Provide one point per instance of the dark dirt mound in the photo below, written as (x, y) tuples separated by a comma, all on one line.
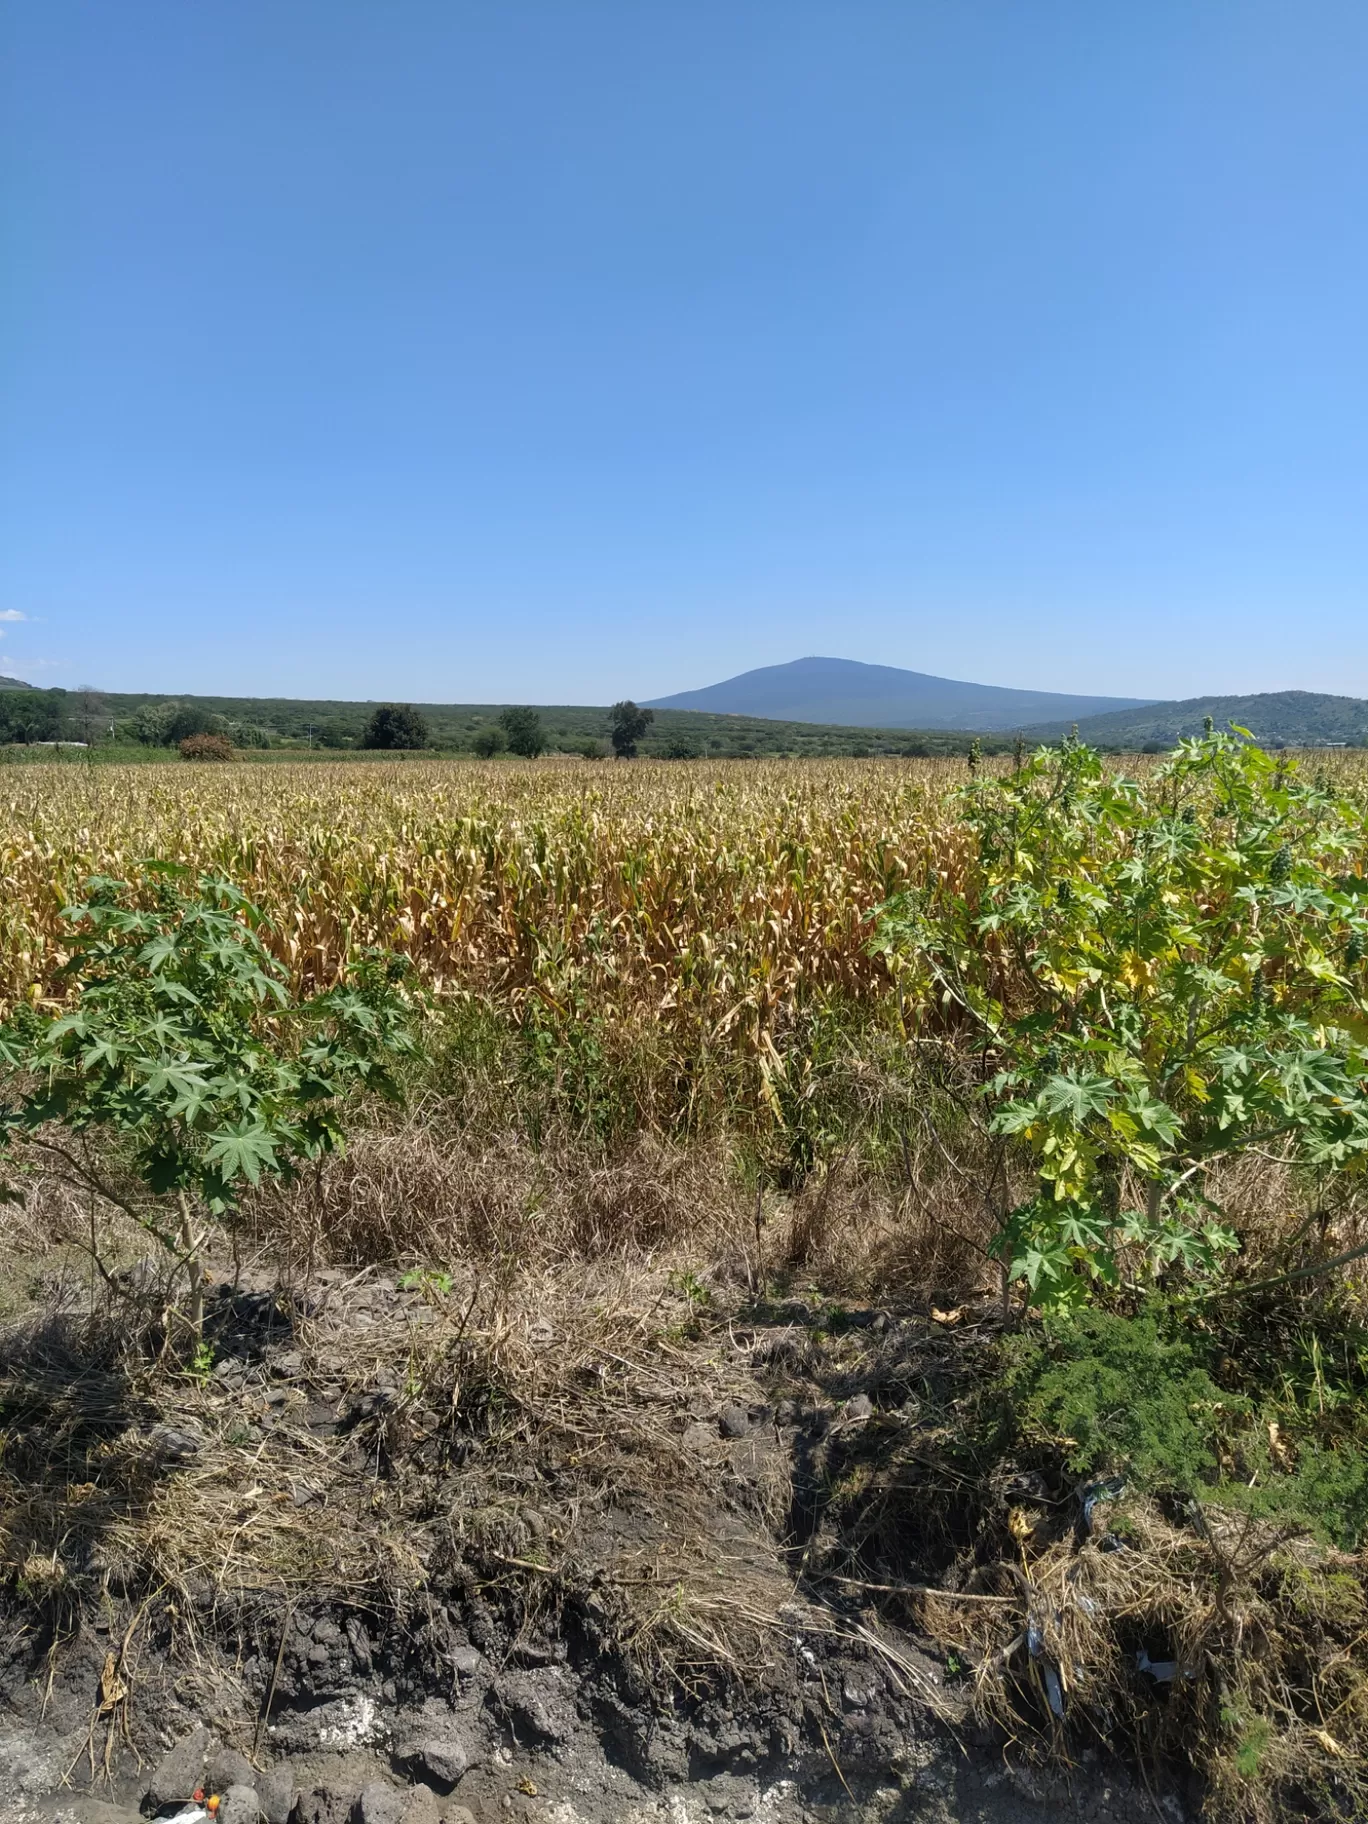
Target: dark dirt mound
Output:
[(558, 1549)]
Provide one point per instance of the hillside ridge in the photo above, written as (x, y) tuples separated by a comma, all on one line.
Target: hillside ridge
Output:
[(853, 694), (1295, 717)]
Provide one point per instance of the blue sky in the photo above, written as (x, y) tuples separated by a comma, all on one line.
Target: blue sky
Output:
[(552, 352)]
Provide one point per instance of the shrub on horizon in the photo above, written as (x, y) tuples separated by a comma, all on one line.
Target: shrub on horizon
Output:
[(206, 747)]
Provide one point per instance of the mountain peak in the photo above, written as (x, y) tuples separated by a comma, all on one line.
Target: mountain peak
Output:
[(855, 695)]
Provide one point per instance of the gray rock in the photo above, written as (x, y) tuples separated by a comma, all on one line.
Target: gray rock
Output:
[(861, 1407), (225, 1767), (537, 1705), (452, 1814), (323, 1805), (734, 1421), (440, 1753), (699, 1436), (175, 1444), (422, 1806), (728, 1795), (276, 1793), (380, 1803), (466, 1661), (239, 1805), (181, 1769)]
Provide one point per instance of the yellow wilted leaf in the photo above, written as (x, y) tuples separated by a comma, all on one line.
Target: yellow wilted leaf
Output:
[(1135, 972), (113, 1690), (1020, 1525)]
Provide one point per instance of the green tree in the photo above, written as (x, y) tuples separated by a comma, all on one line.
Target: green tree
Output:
[(488, 741), (186, 1048), (627, 724), (1163, 973), (30, 715), (150, 723), (395, 725), (523, 732), (189, 719)]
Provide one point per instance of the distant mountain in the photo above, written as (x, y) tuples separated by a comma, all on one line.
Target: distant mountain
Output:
[(1294, 717), (14, 684), (882, 696)]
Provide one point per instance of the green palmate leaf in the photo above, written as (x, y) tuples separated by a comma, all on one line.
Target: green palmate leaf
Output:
[(244, 1149), (1077, 1096), (186, 1041)]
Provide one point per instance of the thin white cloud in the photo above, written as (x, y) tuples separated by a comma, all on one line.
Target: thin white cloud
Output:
[(12, 614)]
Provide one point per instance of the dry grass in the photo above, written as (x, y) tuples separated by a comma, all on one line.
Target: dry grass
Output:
[(1226, 1644), (523, 1429)]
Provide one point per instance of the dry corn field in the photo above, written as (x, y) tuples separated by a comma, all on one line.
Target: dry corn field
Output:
[(716, 899), (712, 900)]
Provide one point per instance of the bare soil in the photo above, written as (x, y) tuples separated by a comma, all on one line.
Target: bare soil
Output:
[(540, 1545)]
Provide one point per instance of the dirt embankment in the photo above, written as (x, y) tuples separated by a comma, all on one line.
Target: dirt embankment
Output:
[(608, 1545)]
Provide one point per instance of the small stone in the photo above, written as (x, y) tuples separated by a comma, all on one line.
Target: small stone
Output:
[(443, 1756), (700, 1437), (728, 1795), (229, 1768), (422, 1806), (180, 1770), (861, 1407), (380, 1804), (239, 1805), (175, 1444), (455, 1814), (536, 1705), (323, 1805), (466, 1660), (734, 1421), (276, 1794)]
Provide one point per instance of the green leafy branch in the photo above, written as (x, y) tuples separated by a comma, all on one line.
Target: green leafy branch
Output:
[(184, 1041), (1159, 973)]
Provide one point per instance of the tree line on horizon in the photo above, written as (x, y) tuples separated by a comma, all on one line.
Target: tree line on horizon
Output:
[(31, 716)]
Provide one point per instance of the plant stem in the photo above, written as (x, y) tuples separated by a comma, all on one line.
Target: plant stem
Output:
[(193, 1271)]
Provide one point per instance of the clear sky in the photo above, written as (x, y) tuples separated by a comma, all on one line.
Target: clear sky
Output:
[(552, 352)]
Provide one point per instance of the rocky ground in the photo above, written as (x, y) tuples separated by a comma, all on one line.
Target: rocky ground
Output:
[(404, 1551)]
